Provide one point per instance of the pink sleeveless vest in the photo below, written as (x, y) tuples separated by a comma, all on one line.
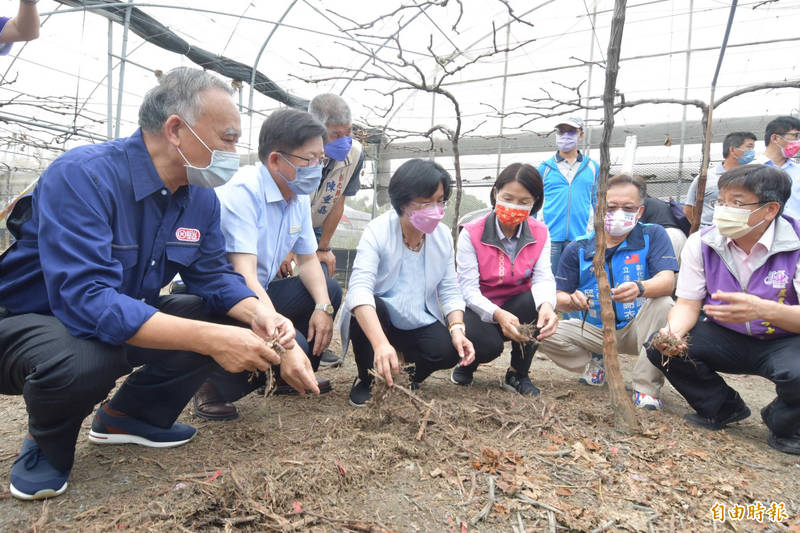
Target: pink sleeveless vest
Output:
[(500, 278)]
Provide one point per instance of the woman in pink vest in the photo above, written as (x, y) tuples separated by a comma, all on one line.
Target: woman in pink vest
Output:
[(503, 264)]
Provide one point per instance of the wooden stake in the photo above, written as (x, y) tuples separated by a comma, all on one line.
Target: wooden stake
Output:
[(624, 416)]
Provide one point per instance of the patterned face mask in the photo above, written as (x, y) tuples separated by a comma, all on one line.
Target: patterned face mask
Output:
[(511, 214)]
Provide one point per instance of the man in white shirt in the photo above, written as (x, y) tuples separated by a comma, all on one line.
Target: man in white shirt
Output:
[(264, 214)]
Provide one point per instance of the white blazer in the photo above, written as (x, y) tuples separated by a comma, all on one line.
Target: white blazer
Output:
[(377, 265)]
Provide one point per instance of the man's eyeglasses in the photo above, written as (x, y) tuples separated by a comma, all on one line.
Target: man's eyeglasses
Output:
[(790, 136), (310, 162), (442, 203), (735, 203)]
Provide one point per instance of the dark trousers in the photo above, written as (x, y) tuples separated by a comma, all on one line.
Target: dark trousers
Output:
[(62, 377), (428, 347), (292, 300), (488, 338), (714, 348)]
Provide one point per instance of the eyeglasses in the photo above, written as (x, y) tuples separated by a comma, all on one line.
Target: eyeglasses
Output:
[(442, 203), (319, 160), (735, 203), (626, 208), (791, 136)]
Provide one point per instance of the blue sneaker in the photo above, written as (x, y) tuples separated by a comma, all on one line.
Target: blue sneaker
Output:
[(115, 427), (595, 372), (33, 477), (651, 403)]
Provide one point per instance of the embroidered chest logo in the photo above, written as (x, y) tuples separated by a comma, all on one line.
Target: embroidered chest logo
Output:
[(777, 278), (187, 234)]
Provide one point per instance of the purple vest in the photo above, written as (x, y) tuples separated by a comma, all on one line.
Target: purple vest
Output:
[(772, 281)]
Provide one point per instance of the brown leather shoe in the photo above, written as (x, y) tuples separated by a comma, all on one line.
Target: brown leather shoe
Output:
[(208, 404), (281, 387)]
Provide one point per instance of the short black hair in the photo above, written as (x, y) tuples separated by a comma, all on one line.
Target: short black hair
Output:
[(780, 126), (627, 179), (417, 178), (768, 183), (286, 130), (735, 140), (527, 176)]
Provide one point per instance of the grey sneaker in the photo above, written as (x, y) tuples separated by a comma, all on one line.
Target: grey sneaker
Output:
[(328, 358), (461, 375)]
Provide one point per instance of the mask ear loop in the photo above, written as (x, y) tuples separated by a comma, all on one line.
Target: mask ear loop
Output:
[(196, 136)]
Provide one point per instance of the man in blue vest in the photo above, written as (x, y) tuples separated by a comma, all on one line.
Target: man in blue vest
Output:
[(641, 267)]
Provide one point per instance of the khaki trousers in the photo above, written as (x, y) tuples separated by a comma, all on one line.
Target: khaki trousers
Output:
[(571, 349)]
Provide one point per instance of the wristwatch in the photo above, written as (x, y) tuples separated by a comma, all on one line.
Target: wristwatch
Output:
[(328, 308), (641, 287)]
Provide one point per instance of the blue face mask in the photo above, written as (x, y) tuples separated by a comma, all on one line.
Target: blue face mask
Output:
[(748, 156), (306, 179), (220, 169), (339, 148)]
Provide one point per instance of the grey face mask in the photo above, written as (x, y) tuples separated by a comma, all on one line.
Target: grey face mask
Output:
[(220, 169)]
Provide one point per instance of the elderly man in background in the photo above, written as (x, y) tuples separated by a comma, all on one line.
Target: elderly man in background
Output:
[(340, 178), (23, 27)]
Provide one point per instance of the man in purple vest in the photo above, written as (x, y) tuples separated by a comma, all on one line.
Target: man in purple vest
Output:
[(743, 273)]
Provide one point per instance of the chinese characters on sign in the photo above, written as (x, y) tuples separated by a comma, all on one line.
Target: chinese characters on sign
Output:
[(776, 512)]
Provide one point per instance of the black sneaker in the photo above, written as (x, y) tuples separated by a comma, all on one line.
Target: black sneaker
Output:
[(521, 384), (782, 444), (785, 444), (714, 424), (360, 393), (461, 375), (328, 358)]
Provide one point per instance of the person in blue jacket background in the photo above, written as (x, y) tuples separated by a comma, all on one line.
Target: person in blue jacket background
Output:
[(570, 189)]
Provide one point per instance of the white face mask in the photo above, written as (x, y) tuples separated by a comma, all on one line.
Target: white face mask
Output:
[(732, 222), (220, 169), (619, 222)]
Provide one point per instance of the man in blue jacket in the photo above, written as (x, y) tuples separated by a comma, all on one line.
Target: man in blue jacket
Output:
[(107, 227), (570, 189)]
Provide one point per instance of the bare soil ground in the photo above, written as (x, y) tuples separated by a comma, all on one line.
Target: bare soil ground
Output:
[(451, 459)]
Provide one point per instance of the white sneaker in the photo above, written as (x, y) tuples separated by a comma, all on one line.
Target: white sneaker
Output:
[(595, 373), (645, 401)]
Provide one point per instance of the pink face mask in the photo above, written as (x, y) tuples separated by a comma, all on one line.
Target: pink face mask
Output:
[(791, 149), (426, 218)]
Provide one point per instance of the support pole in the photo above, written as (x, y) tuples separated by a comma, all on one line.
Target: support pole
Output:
[(122, 69), (255, 69), (685, 97), (701, 180), (110, 82), (587, 139), (503, 100)]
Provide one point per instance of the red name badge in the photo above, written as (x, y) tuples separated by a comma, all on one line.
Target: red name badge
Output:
[(187, 234)]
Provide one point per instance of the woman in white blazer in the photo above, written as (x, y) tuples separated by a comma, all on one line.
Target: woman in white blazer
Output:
[(403, 291)]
